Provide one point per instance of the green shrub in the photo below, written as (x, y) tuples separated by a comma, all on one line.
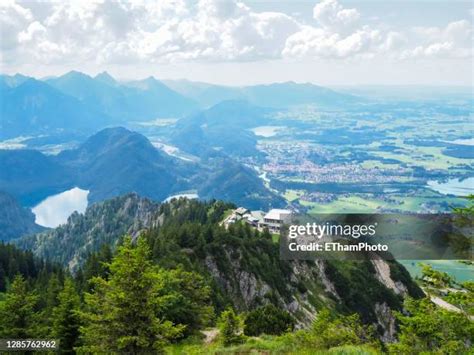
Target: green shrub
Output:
[(268, 320), (330, 330)]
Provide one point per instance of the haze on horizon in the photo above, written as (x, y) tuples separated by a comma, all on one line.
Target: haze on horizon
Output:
[(326, 42)]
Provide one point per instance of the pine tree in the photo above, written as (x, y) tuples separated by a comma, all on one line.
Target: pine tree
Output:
[(122, 312), (3, 279), (66, 319), (186, 299), (229, 327), (53, 288), (428, 329), (17, 312), (47, 287)]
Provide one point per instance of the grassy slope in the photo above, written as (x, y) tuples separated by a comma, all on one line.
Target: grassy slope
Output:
[(263, 345)]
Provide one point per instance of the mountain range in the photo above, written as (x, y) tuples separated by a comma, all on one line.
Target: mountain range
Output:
[(276, 95), (34, 107), (115, 161), (213, 125), (133, 100), (78, 102)]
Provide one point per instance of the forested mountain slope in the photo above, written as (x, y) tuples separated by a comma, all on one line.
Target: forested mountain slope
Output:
[(115, 161), (102, 223), (224, 126), (243, 265), (15, 221)]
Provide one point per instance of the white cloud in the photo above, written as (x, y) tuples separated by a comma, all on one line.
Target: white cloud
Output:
[(338, 36), (455, 40), (105, 32), (13, 19), (321, 43), (332, 15), (34, 31), (219, 31), (394, 41), (459, 32)]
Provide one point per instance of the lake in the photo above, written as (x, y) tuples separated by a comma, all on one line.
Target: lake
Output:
[(266, 131), (56, 209), (468, 141), (453, 186), (461, 272)]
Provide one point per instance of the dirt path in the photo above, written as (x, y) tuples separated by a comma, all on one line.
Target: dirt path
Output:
[(443, 304)]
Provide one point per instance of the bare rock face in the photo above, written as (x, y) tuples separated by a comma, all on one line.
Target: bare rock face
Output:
[(248, 289), (325, 280), (243, 285), (385, 317), (383, 275), (387, 321)]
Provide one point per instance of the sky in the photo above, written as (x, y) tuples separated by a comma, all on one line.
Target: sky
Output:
[(328, 42)]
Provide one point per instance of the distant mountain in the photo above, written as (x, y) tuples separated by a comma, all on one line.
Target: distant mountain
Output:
[(232, 113), (116, 161), (31, 176), (291, 93), (230, 181), (134, 100), (150, 98), (34, 107), (106, 78), (205, 94), (15, 221), (92, 92), (277, 95), (78, 102), (223, 126), (12, 81)]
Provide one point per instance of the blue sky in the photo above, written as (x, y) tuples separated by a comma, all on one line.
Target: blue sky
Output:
[(328, 42)]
